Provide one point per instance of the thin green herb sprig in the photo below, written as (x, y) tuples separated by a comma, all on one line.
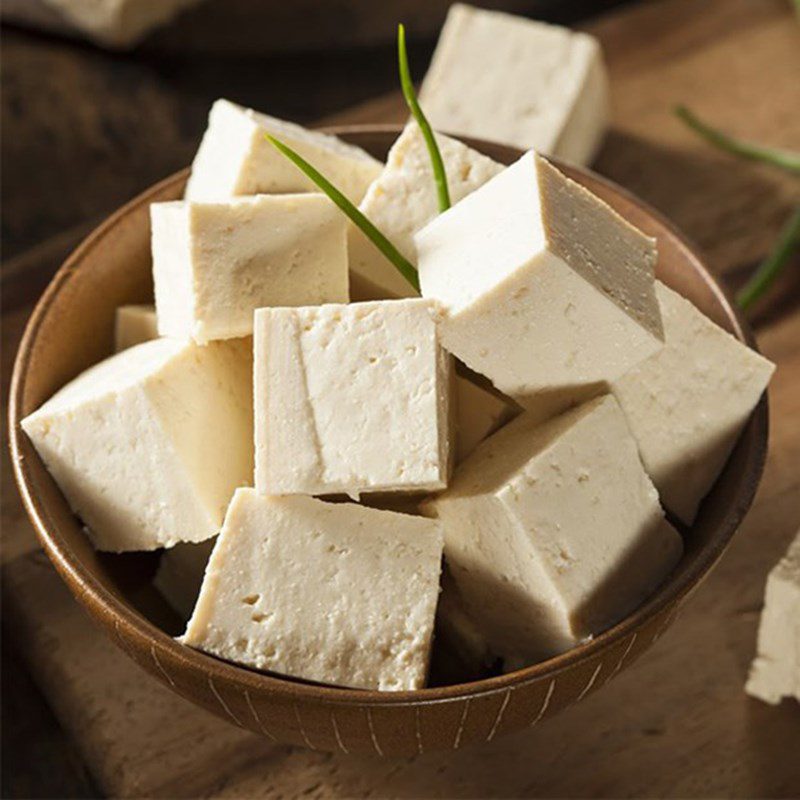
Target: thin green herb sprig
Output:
[(403, 265), (772, 266), (783, 159), (439, 173)]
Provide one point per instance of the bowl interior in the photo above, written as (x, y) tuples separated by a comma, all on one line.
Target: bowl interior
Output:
[(72, 328)]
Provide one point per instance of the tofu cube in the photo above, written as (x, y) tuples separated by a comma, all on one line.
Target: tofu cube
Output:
[(687, 405), (180, 574), (546, 290), (479, 413), (402, 200), (507, 79), (320, 617), (235, 158), (554, 532), (149, 445), (775, 672), (351, 399), (215, 263), (133, 325)]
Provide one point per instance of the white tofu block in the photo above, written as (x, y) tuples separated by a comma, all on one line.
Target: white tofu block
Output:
[(687, 405), (149, 445), (235, 158), (133, 325), (119, 23), (775, 672), (402, 200), (215, 263), (546, 290), (356, 610), (180, 574), (554, 532), (351, 399), (479, 413), (507, 79)]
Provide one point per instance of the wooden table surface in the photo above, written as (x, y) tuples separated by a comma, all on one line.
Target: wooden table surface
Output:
[(658, 729)]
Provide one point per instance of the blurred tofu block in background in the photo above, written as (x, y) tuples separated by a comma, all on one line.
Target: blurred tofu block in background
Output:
[(775, 672), (520, 82), (117, 24)]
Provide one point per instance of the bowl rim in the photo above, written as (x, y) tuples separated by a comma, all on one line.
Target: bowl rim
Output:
[(114, 613)]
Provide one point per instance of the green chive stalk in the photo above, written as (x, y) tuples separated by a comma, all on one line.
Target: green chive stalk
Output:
[(783, 159), (403, 265), (439, 174), (772, 266)]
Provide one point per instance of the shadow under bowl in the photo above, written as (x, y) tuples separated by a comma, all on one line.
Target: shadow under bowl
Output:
[(71, 328)]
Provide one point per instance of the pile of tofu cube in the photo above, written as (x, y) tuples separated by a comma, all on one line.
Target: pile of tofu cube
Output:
[(305, 461)]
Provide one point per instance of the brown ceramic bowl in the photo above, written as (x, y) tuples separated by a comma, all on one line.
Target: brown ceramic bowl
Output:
[(71, 328)]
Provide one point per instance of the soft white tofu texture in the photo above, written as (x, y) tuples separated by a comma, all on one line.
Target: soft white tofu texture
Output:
[(180, 574), (402, 200), (215, 263), (479, 413), (546, 290), (351, 398), (119, 23), (507, 79), (133, 325), (687, 404), (775, 672), (149, 445), (330, 592), (235, 158), (554, 532)]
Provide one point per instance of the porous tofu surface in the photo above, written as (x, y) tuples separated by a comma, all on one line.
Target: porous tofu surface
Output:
[(553, 532), (402, 200), (351, 399), (687, 404), (775, 672), (134, 324), (544, 287), (503, 78), (235, 158), (149, 445), (331, 592), (215, 263)]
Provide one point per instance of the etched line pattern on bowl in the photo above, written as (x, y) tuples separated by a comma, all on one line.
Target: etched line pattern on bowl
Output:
[(257, 718), (372, 736), (500, 713), (301, 728), (160, 666), (545, 703), (462, 722), (624, 656), (586, 689), (337, 735), (222, 702)]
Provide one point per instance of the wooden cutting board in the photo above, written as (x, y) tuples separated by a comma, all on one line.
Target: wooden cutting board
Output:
[(656, 730)]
